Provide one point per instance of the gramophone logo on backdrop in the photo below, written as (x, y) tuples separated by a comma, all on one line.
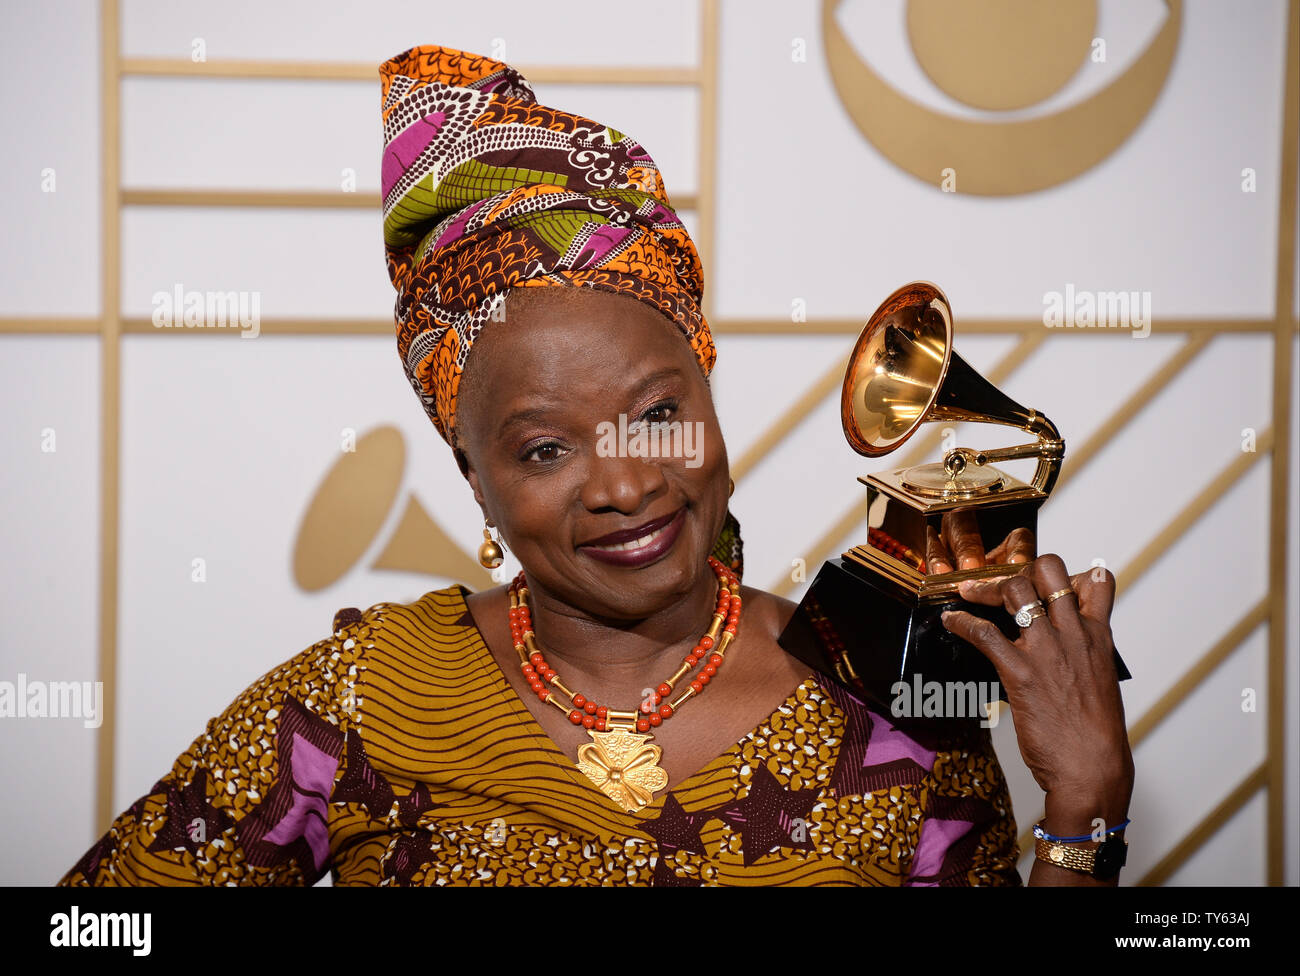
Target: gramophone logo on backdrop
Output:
[(351, 507), (1000, 56)]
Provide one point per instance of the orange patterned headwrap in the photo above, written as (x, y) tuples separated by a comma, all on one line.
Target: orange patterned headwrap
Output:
[(485, 190)]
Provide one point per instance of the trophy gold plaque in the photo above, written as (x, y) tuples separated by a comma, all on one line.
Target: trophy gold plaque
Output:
[(872, 617)]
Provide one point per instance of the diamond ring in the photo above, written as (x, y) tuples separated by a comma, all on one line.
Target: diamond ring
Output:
[(1026, 614)]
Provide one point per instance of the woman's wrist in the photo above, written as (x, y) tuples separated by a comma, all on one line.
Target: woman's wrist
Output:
[(1082, 810)]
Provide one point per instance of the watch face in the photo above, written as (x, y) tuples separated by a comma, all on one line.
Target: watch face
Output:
[(1110, 857)]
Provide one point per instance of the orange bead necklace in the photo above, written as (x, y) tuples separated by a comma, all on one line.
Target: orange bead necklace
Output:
[(619, 759)]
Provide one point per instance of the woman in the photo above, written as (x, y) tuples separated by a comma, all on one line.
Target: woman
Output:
[(621, 713)]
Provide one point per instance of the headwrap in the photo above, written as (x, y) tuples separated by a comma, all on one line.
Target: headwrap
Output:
[(485, 190)]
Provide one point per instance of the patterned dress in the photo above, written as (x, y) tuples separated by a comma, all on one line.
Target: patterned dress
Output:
[(395, 752)]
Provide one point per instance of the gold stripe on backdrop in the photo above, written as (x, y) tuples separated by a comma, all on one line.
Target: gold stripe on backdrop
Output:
[(36, 325), (1079, 457), (110, 351), (293, 199), (44, 325), (1207, 828), (1191, 513), (707, 144), (784, 425), (1198, 672), (343, 71), (1278, 502), (704, 77)]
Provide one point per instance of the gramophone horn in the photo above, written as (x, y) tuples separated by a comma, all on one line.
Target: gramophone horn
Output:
[(350, 507), (903, 372)]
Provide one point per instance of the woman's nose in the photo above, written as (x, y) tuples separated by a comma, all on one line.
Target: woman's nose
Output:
[(621, 483)]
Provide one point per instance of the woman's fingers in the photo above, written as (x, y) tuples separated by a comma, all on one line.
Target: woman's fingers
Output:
[(937, 557), (1019, 592), (1096, 590), (959, 545), (961, 533), (1051, 577), (987, 592), (986, 636), (1019, 546)]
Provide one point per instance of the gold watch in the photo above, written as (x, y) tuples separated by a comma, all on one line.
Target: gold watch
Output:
[(1100, 860)]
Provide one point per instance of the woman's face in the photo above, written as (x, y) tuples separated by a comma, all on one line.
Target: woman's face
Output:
[(538, 419)]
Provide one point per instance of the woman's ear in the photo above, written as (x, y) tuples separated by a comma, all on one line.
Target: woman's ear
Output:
[(468, 472)]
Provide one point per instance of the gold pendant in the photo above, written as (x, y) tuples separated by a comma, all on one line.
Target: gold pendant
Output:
[(623, 767)]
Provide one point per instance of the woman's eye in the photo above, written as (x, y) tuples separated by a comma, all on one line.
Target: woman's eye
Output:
[(660, 413), (548, 451)]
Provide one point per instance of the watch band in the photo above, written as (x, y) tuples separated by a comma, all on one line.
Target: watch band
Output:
[(1100, 860), (1076, 857)]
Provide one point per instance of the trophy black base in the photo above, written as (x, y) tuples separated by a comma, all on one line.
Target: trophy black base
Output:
[(870, 634)]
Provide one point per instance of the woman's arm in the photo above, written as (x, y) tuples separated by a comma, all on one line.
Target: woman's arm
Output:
[(1061, 683), (248, 802)]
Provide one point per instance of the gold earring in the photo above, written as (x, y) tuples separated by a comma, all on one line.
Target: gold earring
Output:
[(490, 553), (731, 487)]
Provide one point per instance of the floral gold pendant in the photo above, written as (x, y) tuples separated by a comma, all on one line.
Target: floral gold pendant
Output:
[(623, 766)]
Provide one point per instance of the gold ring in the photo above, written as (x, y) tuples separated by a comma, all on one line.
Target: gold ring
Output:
[(1057, 595)]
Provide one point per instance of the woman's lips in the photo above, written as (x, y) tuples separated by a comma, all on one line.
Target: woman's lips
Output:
[(649, 546)]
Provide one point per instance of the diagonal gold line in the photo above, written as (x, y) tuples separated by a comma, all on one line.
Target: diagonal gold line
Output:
[(1191, 512), (923, 443), (1180, 689), (1198, 672), (831, 380), (1077, 460), (1207, 828)]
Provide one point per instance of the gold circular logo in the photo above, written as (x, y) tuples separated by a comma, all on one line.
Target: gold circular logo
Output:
[(999, 54)]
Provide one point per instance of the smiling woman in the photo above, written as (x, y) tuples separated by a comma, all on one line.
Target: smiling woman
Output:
[(621, 712)]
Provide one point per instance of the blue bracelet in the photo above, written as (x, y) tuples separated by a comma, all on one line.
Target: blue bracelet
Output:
[(1040, 832)]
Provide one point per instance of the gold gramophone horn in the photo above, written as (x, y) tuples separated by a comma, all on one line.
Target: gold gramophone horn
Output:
[(350, 507), (903, 373)]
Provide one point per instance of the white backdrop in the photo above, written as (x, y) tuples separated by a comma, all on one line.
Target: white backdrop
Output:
[(224, 441)]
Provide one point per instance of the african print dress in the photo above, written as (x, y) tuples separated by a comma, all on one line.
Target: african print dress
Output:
[(395, 752)]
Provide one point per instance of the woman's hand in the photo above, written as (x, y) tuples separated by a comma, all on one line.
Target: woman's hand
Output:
[(1061, 683)]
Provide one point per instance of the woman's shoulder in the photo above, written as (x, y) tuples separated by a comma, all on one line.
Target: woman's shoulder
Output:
[(773, 611), (439, 609), (437, 624)]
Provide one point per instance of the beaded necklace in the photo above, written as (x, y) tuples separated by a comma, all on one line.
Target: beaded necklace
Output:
[(619, 759)]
